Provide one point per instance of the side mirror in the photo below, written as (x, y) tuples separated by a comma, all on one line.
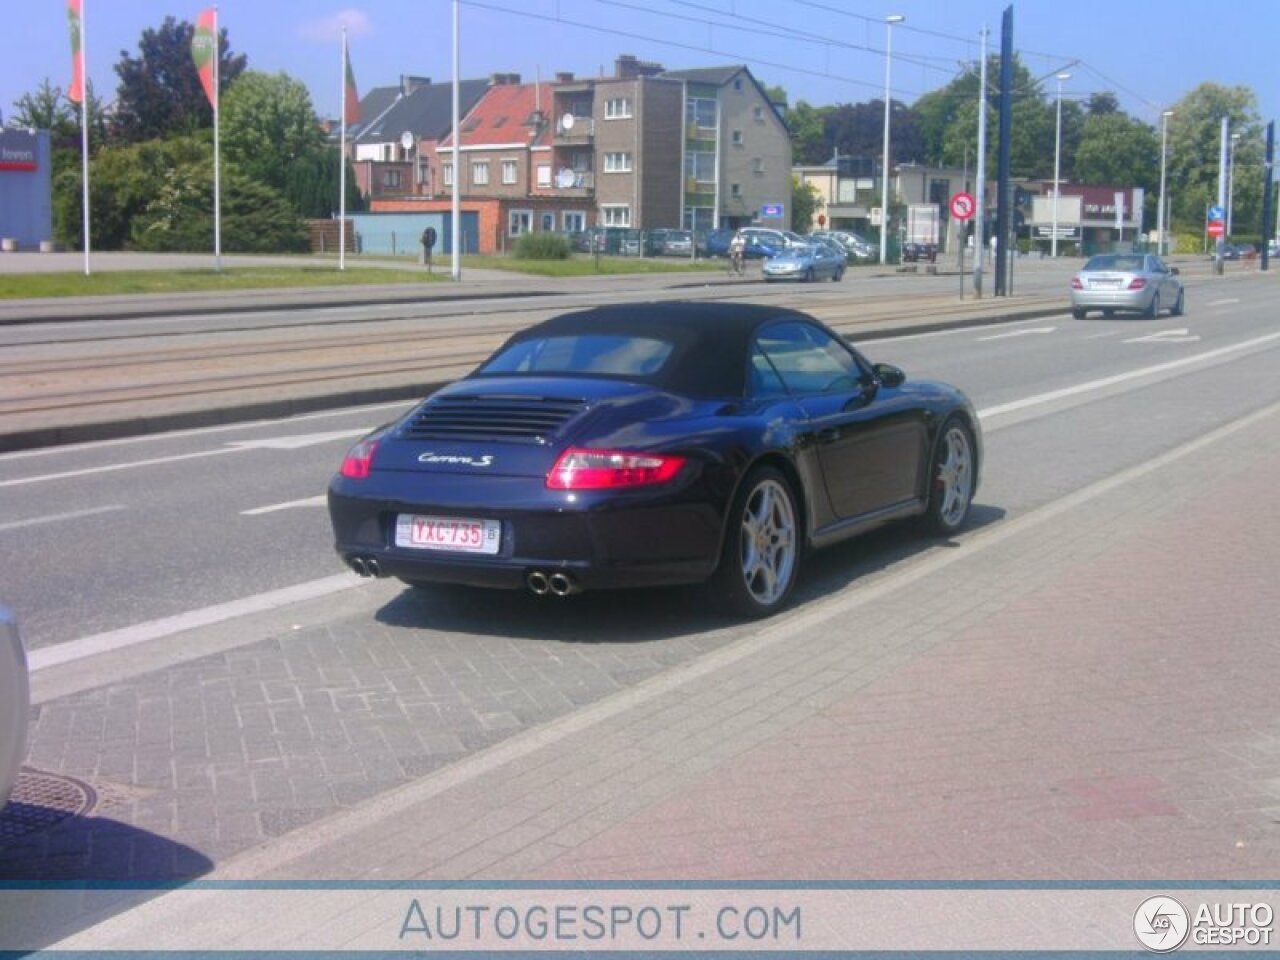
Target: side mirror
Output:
[(889, 375)]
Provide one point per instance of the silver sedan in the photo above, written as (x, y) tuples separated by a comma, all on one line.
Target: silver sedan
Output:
[(1133, 282), (813, 261)]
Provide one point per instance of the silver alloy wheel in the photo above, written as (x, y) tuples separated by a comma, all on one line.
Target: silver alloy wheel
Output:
[(768, 542), (955, 476)]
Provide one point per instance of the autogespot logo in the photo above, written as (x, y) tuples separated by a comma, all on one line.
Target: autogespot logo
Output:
[(1161, 924)]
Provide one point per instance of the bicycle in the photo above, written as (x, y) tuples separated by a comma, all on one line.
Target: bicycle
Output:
[(737, 263)]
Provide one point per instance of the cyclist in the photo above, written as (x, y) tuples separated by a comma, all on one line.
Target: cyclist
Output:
[(737, 254)]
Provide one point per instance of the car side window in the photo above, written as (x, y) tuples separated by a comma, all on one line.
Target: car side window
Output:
[(765, 381), (808, 359)]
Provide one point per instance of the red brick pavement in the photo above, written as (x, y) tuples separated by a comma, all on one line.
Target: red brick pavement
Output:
[(1120, 723)]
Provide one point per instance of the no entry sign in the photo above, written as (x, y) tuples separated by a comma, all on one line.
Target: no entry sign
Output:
[(962, 206)]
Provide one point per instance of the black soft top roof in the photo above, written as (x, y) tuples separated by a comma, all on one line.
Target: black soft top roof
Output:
[(711, 340)]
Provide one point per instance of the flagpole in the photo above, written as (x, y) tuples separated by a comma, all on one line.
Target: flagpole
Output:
[(84, 136), (456, 211), (217, 155), (342, 165)]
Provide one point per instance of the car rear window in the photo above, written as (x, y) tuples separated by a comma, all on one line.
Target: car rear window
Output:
[(587, 354), (1114, 262)]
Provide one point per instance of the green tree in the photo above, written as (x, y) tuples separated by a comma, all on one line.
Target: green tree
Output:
[(48, 108), (1193, 150), (160, 92), (267, 125), (857, 129), (1116, 149), (313, 182), (805, 203), (807, 124)]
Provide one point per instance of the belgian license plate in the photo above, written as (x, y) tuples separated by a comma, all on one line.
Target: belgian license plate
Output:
[(454, 534), (1106, 284)]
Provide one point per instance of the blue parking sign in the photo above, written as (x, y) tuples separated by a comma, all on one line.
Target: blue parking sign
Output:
[(771, 211), (1217, 213)]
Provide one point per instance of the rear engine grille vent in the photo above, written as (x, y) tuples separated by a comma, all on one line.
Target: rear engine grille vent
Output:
[(514, 418)]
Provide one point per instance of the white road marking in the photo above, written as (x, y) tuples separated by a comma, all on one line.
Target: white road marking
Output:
[(1099, 336), (268, 443), (57, 517), (319, 501), (200, 431), (1018, 333), (1104, 382), (44, 657), (1223, 303), (1180, 335), (953, 331), (300, 440)]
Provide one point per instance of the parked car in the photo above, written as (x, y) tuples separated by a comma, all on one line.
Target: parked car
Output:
[(654, 444), (1132, 282), (677, 243), (813, 261), (854, 246), (716, 243), (919, 252), (15, 697), (765, 238)]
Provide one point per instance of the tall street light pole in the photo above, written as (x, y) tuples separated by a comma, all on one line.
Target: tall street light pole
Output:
[(1231, 178), (1057, 167), (1163, 246), (884, 170)]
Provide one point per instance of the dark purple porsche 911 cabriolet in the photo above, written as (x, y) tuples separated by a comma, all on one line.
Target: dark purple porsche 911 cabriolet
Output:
[(651, 444)]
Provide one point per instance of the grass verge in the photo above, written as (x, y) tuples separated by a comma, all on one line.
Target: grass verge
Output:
[(106, 283), (585, 266)]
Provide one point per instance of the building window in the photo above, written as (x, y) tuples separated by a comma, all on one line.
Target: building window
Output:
[(616, 214), (757, 166), (737, 84), (480, 173), (735, 189), (548, 222), (544, 174), (737, 138), (518, 222), (617, 163), (446, 174), (700, 112), (700, 165), (758, 113), (617, 108), (508, 171), (699, 218), (573, 222), (391, 179)]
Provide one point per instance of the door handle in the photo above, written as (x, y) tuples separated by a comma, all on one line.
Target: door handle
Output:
[(828, 435)]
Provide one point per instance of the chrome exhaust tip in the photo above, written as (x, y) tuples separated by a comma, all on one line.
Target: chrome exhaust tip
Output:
[(538, 583), (372, 566), (561, 585), (357, 564)]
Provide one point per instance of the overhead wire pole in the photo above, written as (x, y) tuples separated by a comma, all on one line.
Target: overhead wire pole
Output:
[(217, 153), (1161, 246), (342, 164), (84, 134), (980, 204), (1268, 191), (1221, 239), (889, 21), (455, 266), (1057, 166), (1002, 172)]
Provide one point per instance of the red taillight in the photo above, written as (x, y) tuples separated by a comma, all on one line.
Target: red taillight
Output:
[(359, 460), (606, 469), (1076, 284), (1137, 283)]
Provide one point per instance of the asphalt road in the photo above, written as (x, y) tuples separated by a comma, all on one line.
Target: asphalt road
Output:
[(117, 535)]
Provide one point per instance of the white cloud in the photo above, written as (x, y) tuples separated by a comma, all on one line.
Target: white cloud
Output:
[(329, 29)]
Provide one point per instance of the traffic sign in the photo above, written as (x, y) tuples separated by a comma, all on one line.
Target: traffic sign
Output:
[(771, 211), (1216, 213), (1216, 228), (962, 206)]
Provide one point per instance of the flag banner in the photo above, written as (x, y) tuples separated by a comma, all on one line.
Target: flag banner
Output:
[(351, 97), (204, 48), (76, 93)]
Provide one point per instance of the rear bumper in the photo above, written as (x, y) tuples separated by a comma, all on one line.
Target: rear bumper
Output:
[(599, 542), (1112, 299)]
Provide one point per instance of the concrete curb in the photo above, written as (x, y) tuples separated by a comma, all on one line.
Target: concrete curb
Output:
[(134, 426)]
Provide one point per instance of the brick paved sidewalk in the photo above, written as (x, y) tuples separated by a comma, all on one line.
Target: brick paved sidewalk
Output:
[(1081, 693)]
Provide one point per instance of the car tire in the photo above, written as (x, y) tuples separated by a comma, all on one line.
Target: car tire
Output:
[(1179, 305), (808, 275), (838, 275), (951, 479), (1153, 308), (760, 557), (1079, 313)]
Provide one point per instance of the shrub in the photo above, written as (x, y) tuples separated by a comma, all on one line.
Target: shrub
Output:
[(542, 246)]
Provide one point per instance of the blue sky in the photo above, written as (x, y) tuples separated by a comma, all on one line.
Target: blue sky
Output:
[(1150, 53)]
